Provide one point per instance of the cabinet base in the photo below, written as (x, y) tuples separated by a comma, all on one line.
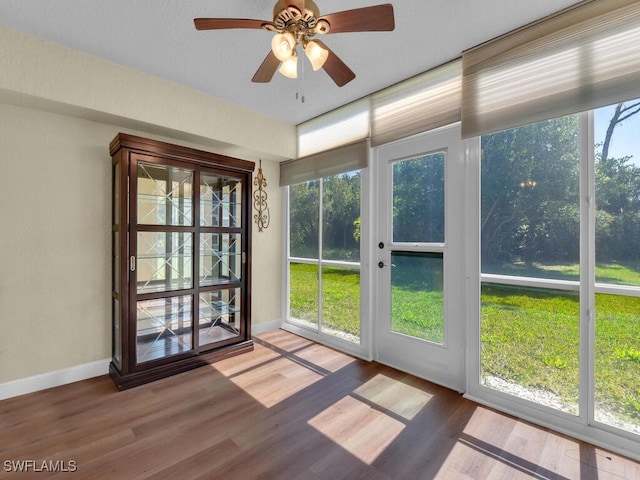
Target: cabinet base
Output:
[(125, 381)]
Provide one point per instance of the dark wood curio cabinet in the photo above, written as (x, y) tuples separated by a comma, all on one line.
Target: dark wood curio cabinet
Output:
[(181, 259)]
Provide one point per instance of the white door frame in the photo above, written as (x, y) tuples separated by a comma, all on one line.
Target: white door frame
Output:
[(444, 364)]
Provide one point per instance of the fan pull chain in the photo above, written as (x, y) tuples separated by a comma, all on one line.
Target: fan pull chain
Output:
[(301, 97)]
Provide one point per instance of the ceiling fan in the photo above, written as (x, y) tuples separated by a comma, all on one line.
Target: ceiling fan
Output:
[(296, 23)]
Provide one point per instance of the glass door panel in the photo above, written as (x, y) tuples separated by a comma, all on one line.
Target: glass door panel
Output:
[(417, 295), (220, 313), (220, 262), (164, 327), (115, 260), (418, 199), (164, 195), (164, 261), (117, 341), (220, 258), (220, 201)]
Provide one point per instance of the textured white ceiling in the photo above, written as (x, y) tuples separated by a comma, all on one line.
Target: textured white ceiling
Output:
[(158, 37)]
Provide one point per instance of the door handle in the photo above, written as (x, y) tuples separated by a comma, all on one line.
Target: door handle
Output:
[(380, 264)]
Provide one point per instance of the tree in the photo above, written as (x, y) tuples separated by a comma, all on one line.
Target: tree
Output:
[(530, 205), (418, 199), (304, 201), (529, 201), (340, 209), (617, 197)]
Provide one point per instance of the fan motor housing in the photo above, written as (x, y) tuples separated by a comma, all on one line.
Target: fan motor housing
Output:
[(285, 16)]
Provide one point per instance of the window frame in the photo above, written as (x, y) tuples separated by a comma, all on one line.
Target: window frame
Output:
[(364, 348), (582, 426)]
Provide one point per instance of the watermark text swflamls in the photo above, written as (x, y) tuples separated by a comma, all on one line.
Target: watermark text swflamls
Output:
[(49, 466)]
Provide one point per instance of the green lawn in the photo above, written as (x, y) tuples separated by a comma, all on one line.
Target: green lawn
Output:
[(340, 297), (530, 337)]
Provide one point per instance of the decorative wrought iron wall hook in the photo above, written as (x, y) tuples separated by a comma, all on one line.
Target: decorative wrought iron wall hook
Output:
[(262, 217)]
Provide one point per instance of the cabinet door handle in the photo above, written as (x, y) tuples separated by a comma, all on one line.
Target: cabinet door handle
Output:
[(244, 257), (132, 263)]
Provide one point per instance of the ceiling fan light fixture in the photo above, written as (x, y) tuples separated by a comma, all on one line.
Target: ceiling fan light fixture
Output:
[(316, 55), (296, 22), (289, 67), (283, 46)]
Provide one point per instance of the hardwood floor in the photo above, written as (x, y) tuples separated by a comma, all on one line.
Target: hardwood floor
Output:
[(291, 409)]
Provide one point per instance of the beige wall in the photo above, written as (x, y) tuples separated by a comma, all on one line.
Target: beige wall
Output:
[(55, 193), (53, 77), (267, 254), (55, 244)]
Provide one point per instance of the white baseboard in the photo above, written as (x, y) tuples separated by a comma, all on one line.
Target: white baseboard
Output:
[(43, 381), (258, 328)]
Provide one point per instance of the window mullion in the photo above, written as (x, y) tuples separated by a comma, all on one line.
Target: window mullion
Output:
[(587, 267), (320, 250)]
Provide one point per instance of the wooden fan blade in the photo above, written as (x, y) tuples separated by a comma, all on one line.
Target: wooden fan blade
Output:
[(265, 72), (336, 68), (226, 23), (378, 18)]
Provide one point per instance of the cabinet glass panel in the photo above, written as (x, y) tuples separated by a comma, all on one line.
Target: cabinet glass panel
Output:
[(164, 261), (220, 258), (117, 342), (220, 201), (117, 191), (164, 195), (116, 261), (219, 316), (164, 327)]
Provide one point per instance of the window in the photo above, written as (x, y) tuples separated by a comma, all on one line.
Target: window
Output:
[(541, 276), (324, 256), (530, 237)]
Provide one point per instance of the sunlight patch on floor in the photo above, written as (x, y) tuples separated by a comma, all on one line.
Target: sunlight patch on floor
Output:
[(325, 357), (394, 395), (358, 428), (276, 381)]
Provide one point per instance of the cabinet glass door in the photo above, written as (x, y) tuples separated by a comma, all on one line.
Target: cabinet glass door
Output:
[(164, 261), (221, 259)]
